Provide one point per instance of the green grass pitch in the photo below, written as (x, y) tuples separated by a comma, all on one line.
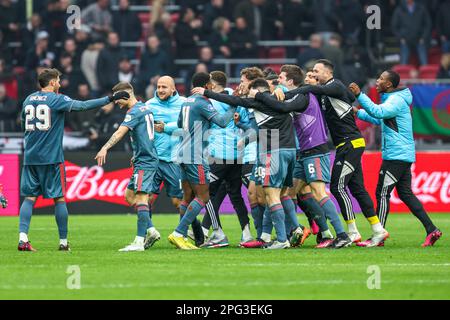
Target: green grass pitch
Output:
[(407, 271)]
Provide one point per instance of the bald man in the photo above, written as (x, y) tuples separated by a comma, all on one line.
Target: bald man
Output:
[(166, 106)]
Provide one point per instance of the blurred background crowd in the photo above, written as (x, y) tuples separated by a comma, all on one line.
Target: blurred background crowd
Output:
[(139, 40)]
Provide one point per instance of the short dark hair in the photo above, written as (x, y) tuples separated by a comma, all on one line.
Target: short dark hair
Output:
[(123, 86), (259, 83), (219, 77), (200, 79), (294, 73), (327, 63), (394, 78), (48, 75), (270, 74)]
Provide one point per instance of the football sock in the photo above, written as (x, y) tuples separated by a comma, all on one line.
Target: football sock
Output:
[(326, 234), (314, 211), (331, 213), (351, 224), (246, 234), (190, 216), (144, 222), (267, 225), (289, 209), (62, 217), (257, 215), (150, 216), (26, 210), (278, 217), (375, 224), (23, 237), (302, 204), (63, 242), (182, 209), (205, 231)]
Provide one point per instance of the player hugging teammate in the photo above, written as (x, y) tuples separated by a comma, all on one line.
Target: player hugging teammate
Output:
[(279, 121)]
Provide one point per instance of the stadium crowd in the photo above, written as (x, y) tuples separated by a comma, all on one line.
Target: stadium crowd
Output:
[(92, 59)]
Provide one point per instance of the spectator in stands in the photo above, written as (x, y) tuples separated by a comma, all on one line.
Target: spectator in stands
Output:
[(253, 13), (187, 34), (70, 48), (294, 13), (332, 50), (9, 20), (126, 72), (213, 10), (107, 121), (89, 61), (444, 71), (40, 54), (82, 38), (220, 38), (308, 56), (78, 121), (31, 30), (98, 17), (163, 29), (8, 111), (242, 43), (108, 63), (5, 52), (154, 63), (71, 75), (443, 25), (55, 20), (127, 23), (351, 20), (411, 24), (206, 57), (326, 20)]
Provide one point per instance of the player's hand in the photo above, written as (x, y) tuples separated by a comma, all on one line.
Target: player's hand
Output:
[(119, 95), (101, 157), (236, 118), (355, 110), (279, 94), (355, 89), (198, 90), (159, 127)]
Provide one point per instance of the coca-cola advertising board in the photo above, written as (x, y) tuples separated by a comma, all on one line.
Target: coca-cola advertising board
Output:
[(94, 190), (9, 178)]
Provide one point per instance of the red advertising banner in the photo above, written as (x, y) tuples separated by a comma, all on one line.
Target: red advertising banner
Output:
[(10, 179), (91, 189), (430, 180)]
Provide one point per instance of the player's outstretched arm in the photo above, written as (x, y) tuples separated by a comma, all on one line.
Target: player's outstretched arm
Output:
[(299, 104), (78, 105), (222, 120), (364, 116), (389, 109), (116, 137)]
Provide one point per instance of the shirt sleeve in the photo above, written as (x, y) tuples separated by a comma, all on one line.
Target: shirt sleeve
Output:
[(131, 120), (65, 103), (389, 109), (207, 110)]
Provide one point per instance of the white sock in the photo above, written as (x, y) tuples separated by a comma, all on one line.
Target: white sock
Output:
[(177, 234), (23, 237), (63, 242), (352, 227), (246, 234), (266, 237), (139, 240), (205, 231), (377, 228), (151, 229)]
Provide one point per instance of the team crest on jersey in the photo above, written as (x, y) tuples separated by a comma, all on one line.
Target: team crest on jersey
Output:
[(127, 118)]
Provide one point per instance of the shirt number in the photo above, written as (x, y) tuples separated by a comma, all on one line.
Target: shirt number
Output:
[(42, 113), (185, 111), (150, 126)]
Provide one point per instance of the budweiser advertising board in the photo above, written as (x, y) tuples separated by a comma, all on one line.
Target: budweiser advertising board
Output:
[(91, 189), (9, 178)]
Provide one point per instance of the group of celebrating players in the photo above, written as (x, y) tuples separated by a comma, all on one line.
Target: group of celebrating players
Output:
[(269, 134)]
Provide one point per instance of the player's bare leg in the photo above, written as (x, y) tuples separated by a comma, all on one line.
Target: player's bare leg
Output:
[(26, 211)]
